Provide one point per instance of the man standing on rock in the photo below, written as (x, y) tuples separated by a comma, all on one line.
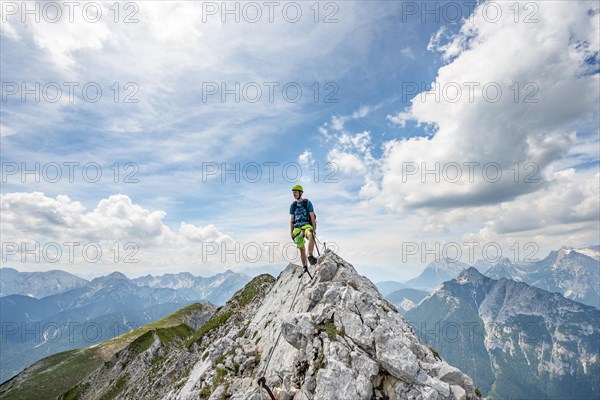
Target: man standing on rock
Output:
[(303, 223)]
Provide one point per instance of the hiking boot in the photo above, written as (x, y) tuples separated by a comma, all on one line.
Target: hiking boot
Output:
[(312, 259)]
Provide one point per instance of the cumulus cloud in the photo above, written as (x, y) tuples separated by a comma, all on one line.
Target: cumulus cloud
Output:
[(208, 233), (305, 158), (352, 153), (36, 218), (496, 107)]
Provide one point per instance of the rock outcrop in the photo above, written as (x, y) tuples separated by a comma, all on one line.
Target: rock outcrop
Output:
[(330, 337)]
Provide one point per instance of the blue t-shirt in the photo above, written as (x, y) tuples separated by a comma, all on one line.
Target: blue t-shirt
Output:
[(301, 215)]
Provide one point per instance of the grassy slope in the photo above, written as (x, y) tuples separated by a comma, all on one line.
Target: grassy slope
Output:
[(58, 373)]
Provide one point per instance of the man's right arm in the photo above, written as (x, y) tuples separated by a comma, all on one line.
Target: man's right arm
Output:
[(292, 226)]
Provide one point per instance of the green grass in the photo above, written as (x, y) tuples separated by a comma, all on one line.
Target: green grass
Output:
[(53, 375), (116, 388), (320, 361), (177, 318), (75, 392), (174, 334), (254, 288), (330, 328), (213, 323), (142, 343)]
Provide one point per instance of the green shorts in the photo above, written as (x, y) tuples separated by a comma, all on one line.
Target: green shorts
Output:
[(300, 233)]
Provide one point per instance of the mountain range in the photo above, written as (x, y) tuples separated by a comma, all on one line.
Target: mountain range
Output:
[(90, 312), (37, 284), (573, 272), (525, 335), (513, 339), (330, 335)]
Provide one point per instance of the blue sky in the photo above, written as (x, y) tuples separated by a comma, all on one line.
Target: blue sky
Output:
[(376, 128)]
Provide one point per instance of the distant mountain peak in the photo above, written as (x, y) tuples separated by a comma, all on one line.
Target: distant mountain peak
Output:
[(115, 275), (470, 275)]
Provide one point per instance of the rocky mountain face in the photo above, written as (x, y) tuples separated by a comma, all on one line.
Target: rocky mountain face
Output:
[(37, 284), (515, 340), (573, 272), (332, 336)]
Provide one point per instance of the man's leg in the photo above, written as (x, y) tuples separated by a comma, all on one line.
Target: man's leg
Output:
[(311, 246), (303, 256), (299, 240), (311, 242)]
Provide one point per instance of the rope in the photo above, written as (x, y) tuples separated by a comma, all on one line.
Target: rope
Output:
[(317, 241), (261, 391)]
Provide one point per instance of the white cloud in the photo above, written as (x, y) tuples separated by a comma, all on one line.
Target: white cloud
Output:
[(116, 225), (400, 118), (208, 233), (346, 162), (563, 213), (550, 66), (526, 140), (169, 54), (338, 122), (305, 158), (63, 38)]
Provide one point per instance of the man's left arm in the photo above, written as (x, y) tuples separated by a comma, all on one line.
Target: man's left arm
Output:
[(311, 213)]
